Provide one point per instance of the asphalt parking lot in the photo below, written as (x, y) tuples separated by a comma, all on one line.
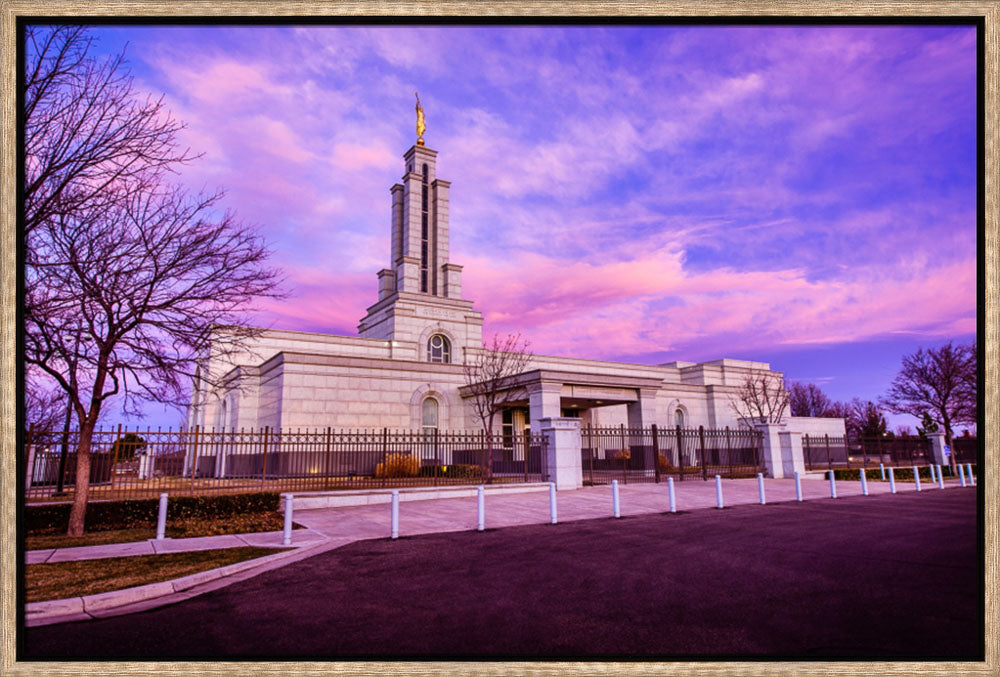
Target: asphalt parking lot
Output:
[(888, 577)]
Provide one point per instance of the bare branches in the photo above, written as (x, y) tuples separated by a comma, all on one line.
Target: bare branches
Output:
[(807, 399), (489, 374), (941, 382), (761, 398)]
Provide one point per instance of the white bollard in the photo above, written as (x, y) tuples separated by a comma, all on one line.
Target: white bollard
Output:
[(940, 477), (933, 477), (616, 507), (161, 519), (480, 508), (286, 537), (552, 501), (394, 515), (760, 487), (892, 481), (972, 478), (718, 492), (961, 474), (670, 494), (864, 482), (798, 487), (833, 484), (916, 477), (881, 467)]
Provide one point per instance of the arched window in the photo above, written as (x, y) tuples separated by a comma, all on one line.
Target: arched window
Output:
[(679, 417), (439, 349), (429, 414)]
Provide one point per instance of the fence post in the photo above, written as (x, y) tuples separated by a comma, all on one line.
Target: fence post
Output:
[(729, 452), (161, 519), (286, 537), (263, 467), (326, 481), (552, 502), (680, 453), (701, 441), (656, 455), (30, 460), (864, 481), (615, 505), (114, 456), (527, 448), (194, 459), (760, 487), (437, 457), (718, 492), (670, 494), (626, 453), (590, 450), (807, 453), (829, 459)]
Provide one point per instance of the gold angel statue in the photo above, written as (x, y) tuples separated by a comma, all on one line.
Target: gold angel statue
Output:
[(421, 125)]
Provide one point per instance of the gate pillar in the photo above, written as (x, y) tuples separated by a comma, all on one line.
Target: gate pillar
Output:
[(563, 458), (782, 450)]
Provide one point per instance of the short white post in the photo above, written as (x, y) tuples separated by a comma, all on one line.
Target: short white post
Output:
[(480, 508), (552, 501), (394, 515), (881, 467), (892, 481), (798, 487), (718, 492), (961, 474), (616, 507), (864, 482), (833, 484), (972, 478), (916, 477), (940, 477), (760, 487), (933, 477), (161, 519), (286, 537), (670, 494)]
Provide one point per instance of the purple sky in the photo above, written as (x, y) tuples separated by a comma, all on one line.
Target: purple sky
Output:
[(799, 195)]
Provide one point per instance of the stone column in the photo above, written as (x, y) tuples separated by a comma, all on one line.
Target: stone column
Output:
[(544, 401), (792, 458), (562, 460), (772, 448)]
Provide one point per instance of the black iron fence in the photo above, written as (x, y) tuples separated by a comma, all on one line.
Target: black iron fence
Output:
[(649, 454), (828, 451), (142, 464)]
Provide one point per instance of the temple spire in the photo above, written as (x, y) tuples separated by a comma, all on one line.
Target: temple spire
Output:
[(421, 124)]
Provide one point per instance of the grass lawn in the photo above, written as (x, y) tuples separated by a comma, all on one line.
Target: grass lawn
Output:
[(188, 528), (89, 577)]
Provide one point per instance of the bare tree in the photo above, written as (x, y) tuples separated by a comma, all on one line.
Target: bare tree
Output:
[(806, 399), (941, 382), (761, 398), (489, 375), (128, 277)]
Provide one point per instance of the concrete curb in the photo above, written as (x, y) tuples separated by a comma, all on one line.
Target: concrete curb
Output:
[(152, 595)]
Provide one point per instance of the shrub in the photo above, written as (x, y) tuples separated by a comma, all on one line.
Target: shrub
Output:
[(141, 514), (455, 471), (620, 454), (398, 465)]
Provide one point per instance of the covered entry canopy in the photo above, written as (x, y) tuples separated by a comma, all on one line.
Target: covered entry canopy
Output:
[(546, 392)]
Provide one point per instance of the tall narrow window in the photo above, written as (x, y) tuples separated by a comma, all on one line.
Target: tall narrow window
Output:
[(429, 414), (679, 418), (438, 349), (424, 234)]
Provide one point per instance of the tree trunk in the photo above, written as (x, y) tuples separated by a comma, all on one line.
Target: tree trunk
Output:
[(81, 488)]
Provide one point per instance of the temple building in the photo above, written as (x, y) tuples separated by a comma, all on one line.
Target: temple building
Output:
[(404, 370)]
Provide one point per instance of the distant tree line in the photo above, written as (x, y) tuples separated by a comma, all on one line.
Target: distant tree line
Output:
[(938, 386)]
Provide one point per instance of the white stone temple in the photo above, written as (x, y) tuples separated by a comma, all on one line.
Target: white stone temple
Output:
[(404, 369)]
